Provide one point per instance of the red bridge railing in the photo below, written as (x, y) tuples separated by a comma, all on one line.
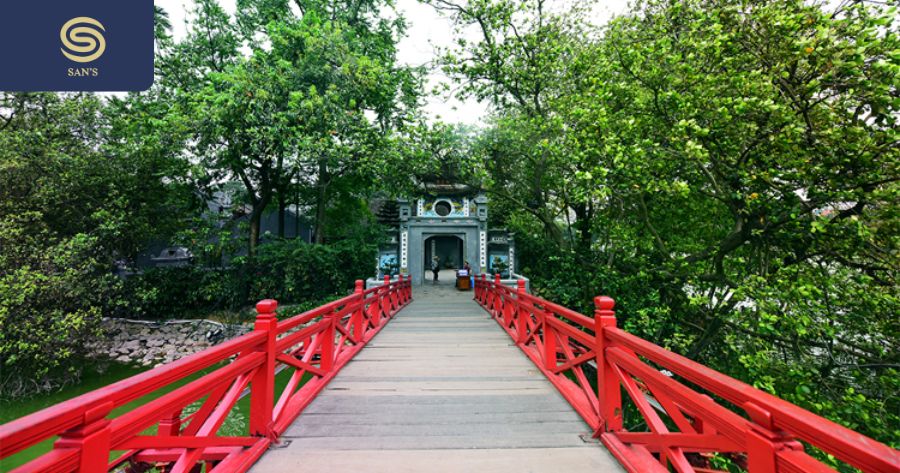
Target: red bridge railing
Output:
[(591, 362), (315, 345)]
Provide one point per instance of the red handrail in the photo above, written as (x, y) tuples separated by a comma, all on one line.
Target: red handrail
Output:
[(316, 343), (568, 347)]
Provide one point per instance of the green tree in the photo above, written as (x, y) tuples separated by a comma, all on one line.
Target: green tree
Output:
[(350, 99), (518, 63), (82, 186), (310, 112), (728, 170)]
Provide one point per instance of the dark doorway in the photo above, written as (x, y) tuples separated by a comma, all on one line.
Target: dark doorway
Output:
[(448, 248)]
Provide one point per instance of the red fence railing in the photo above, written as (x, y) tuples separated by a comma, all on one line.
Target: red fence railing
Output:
[(591, 362), (315, 345)]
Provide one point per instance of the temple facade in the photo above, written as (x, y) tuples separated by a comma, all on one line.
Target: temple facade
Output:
[(449, 221)]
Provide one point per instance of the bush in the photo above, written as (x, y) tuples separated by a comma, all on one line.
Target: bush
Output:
[(50, 308), (178, 292), (52, 300), (290, 271)]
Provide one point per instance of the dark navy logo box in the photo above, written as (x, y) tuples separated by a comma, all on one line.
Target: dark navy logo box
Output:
[(76, 45)]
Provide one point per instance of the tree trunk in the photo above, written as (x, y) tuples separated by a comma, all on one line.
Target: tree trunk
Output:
[(282, 205), (297, 217), (550, 227), (321, 201), (259, 207), (583, 214), (255, 218)]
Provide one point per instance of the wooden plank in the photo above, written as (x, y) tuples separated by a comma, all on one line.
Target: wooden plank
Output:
[(441, 388), (513, 442), (445, 417), (482, 461)]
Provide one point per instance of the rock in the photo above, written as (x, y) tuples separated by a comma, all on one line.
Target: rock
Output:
[(140, 343)]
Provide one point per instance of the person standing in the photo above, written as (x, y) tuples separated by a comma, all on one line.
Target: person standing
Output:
[(435, 268)]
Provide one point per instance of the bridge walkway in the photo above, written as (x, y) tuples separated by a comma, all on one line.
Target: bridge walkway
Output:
[(442, 388)]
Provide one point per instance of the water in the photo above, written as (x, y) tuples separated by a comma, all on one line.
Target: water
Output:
[(93, 378)]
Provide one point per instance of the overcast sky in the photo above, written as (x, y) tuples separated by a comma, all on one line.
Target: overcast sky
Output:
[(427, 30)]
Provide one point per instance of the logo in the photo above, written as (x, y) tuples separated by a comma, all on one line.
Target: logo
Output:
[(76, 45), (82, 39)]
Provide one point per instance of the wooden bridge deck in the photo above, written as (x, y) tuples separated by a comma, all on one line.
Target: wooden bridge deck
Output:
[(441, 388)]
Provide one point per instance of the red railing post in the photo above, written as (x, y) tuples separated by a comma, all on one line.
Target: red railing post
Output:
[(495, 290), (550, 348), (326, 346), (386, 297), (521, 313), (764, 441), (490, 296), (609, 394), (91, 439), (395, 295), (262, 387), (358, 317), (172, 425)]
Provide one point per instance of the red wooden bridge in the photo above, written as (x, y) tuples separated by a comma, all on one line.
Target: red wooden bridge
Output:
[(441, 389)]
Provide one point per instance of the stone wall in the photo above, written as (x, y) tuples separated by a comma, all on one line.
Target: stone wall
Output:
[(146, 343)]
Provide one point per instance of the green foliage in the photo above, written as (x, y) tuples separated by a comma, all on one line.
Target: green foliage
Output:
[(78, 191), (293, 271), (726, 170), (290, 271), (310, 113), (182, 292), (49, 308), (299, 103)]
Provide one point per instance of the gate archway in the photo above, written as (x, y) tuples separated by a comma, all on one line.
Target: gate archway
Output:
[(450, 250)]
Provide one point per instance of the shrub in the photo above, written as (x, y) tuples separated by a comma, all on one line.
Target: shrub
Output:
[(50, 308), (293, 271), (290, 271), (178, 292)]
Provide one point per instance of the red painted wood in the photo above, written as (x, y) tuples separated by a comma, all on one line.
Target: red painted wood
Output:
[(336, 332), (264, 380), (560, 342), (608, 391)]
